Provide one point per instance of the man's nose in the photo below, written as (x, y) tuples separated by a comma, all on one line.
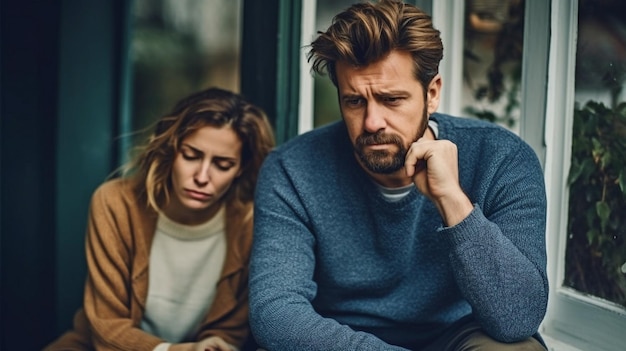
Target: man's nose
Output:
[(374, 118)]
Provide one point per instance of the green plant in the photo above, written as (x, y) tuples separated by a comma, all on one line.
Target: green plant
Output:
[(596, 245)]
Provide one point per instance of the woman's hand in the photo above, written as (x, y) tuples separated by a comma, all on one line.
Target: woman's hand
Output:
[(213, 343), (188, 346)]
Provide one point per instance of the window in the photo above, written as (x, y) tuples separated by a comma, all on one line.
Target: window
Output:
[(492, 42), (492, 60), (595, 259), (483, 60), (583, 169), (326, 106), (178, 47)]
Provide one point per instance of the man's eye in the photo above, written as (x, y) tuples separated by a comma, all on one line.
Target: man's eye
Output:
[(353, 102), (392, 99)]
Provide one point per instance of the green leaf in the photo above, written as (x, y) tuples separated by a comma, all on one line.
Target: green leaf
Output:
[(621, 180), (606, 160), (603, 210), (590, 236), (588, 168), (574, 172)]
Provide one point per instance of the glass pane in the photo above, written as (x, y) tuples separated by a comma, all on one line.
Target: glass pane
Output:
[(492, 61), (325, 105), (596, 245), (180, 46)]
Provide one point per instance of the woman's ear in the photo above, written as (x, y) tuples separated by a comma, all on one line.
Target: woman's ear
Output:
[(433, 94)]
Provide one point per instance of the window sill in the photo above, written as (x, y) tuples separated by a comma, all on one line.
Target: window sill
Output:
[(558, 345)]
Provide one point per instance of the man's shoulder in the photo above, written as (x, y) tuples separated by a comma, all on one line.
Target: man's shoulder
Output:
[(482, 142), (322, 134), (318, 142), (320, 153), (473, 130), (459, 122)]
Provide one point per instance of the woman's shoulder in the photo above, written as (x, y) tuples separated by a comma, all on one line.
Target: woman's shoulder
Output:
[(116, 202), (116, 191)]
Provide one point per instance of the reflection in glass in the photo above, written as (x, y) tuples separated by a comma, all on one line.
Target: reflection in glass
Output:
[(494, 35), (596, 245), (493, 42), (179, 46), (325, 104)]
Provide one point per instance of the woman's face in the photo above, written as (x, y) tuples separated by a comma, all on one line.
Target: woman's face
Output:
[(206, 165)]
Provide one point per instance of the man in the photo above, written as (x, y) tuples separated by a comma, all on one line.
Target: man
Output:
[(397, 228)]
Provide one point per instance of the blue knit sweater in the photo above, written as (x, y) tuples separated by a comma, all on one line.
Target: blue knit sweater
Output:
[(335, 266)]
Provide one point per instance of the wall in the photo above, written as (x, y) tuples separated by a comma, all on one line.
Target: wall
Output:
[(58, 118)]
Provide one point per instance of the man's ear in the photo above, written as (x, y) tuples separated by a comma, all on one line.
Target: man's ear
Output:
[(433, 94)]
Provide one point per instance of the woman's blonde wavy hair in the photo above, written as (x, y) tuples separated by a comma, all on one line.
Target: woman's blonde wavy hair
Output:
[(151, 165), (367, 32)]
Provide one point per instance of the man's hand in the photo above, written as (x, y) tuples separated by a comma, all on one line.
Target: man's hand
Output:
[(433, 165)]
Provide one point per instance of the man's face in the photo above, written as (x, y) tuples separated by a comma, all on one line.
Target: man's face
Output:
[(385, 109)]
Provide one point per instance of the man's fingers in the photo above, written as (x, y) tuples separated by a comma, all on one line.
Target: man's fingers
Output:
[(414, 161)]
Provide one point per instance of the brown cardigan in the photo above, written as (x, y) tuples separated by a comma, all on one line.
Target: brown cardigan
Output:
[(119, 236)]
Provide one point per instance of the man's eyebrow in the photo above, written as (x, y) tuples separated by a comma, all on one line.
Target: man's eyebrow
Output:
[(381, 93), (393, 92), (350, 96)]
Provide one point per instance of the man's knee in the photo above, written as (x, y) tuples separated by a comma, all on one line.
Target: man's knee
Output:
[(478, 340)]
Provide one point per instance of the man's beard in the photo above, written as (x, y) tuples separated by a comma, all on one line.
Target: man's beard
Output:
[(385, 161), (380, 161)]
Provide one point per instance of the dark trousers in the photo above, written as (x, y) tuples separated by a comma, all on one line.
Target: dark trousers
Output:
[(469, 336)]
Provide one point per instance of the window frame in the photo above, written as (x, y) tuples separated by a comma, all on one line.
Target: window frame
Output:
[(573, 320), (305, 118)]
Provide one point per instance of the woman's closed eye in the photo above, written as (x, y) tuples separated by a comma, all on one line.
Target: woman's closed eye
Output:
[(190, 156), (224, 164)]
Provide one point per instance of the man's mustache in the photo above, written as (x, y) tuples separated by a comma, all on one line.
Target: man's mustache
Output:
[(377, 138)]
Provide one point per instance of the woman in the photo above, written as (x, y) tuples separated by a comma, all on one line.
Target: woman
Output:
[(168, 243)]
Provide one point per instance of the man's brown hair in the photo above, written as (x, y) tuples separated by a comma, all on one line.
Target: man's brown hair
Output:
[(367, 32)]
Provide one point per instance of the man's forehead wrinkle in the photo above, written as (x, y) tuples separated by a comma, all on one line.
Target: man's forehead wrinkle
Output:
[(378, 83), (375, 89)]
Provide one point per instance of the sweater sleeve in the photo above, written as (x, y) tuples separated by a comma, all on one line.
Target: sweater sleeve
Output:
[(498, 252), (281, 275), (107, 291)]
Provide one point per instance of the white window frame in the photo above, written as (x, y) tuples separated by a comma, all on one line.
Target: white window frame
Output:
[(307, 35), (574, 321), (448, 18)]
